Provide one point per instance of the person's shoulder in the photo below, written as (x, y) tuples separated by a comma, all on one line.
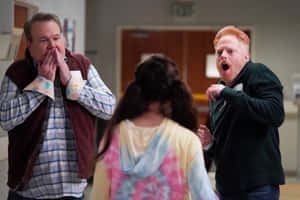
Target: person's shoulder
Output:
[(263, 72), (183, 134), (78, 55), (17, 63), (18, 66), (186, 141), (179, 127), (82, 59), (258, 67)]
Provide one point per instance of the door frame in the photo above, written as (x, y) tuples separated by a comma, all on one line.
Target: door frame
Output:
[(32, 7), (158, 28)]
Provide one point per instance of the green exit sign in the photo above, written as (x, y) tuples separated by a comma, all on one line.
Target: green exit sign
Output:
[(182, 8)]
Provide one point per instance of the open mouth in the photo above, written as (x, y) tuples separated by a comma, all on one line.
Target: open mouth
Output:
[(225, 67)]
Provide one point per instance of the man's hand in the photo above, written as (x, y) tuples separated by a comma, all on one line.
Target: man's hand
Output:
[(47, 68), (214, 89), (204, 134), (64, 71)]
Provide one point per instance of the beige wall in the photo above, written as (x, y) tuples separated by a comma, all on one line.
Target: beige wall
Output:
[(275, 40), (275, 29)]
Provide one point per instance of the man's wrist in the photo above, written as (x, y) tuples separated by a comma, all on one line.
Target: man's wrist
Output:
[(42, 85), (74, 86)]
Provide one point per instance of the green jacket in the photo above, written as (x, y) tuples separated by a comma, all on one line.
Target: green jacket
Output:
[(244, 123)]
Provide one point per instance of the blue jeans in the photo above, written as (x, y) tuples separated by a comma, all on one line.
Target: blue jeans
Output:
[(266, 192), (14, 196)]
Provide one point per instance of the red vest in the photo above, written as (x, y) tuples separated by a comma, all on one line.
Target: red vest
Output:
[(25, 139)]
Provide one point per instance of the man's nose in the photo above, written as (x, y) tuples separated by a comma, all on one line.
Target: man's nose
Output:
[(224, 54), (51, 44)]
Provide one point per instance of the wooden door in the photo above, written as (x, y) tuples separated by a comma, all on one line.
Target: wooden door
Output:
[(199, 46), (20, 16), (136, 43)]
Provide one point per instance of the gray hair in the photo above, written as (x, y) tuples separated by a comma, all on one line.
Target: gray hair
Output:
[(39, 17)]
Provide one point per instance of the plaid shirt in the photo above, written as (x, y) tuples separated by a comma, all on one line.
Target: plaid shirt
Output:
[(55, 173)]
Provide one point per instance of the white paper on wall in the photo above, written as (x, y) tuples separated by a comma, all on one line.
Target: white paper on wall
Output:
[(211, 70)]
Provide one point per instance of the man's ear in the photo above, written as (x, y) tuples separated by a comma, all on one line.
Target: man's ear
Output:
[(247, 57)]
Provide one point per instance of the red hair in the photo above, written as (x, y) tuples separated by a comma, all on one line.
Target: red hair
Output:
[(231, 30)]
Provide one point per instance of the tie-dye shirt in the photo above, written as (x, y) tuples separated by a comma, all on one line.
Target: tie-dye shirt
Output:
[(167, 164)]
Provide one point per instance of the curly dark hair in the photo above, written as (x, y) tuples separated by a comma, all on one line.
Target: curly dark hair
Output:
[(156, 80)]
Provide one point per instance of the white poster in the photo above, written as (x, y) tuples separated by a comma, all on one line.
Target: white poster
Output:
[(211, 70)]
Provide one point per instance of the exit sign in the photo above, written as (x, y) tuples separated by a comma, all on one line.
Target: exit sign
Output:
[(182, 8)]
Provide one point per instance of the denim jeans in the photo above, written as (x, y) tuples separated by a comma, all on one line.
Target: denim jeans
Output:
[(14, 196), (266, 192)]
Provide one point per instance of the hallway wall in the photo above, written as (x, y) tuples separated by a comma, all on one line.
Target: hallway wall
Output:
[(275, 40), (275, 26)]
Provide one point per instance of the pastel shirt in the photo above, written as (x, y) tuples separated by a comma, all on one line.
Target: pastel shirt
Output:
[(42, 85), (171, 167)]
